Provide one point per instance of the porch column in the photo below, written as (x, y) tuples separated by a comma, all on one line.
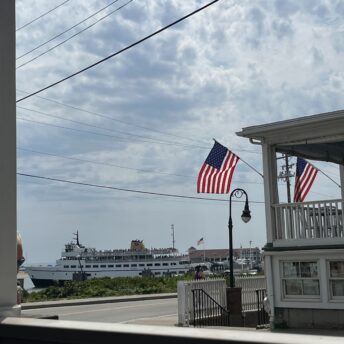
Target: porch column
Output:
[(341, 174), (8, 237), (270, 189)]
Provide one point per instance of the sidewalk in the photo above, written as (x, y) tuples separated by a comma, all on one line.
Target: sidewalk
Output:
[(96, 300)]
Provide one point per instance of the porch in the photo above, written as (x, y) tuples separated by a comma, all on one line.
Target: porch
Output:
[(308, 223)]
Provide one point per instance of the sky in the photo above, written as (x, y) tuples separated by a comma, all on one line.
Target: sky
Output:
[(146, 118)]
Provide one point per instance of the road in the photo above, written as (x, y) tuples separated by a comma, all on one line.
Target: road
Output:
[(152, 312)]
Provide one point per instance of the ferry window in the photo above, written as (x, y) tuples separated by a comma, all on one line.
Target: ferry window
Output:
[(66, 266), (157, 264), (173, 263), (118, 265), (141, 265), (156, 273), (149, 264), (165, 264), (300, 279), (110, 266), (133, 265), (73, 266), (336, 277), (125, 265), (181, 272), (87, 266), (95, 266), (103, 266)]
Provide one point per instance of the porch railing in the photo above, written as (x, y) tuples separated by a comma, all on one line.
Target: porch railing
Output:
[(309, 220)]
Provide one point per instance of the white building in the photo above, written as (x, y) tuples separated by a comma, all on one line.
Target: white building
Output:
[(304, 253)]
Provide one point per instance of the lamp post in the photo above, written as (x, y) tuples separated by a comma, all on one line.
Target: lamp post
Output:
[(246, 216)]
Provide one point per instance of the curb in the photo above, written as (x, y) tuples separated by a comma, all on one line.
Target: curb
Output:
[(98, 300)]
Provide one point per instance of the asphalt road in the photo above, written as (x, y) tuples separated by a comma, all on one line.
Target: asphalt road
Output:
[(150, 312)]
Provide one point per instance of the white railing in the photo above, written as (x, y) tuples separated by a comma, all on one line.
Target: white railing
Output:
[(309, 220), (249, 285), (216, 288)]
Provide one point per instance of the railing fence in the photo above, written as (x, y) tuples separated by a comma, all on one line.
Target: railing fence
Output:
[(309, 220)]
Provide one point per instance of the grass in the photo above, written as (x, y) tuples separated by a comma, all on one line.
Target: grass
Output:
[(100, 287)]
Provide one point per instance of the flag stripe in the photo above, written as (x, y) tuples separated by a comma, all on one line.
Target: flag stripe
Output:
[(305, 175), (216, 173)]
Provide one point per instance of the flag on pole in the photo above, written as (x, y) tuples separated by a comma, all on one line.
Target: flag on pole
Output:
[(216, 173), (304, 178), (200, 241)]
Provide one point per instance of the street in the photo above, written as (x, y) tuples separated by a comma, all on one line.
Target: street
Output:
[(153, 312)]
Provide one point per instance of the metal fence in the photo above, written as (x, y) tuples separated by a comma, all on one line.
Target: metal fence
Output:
[(216, 288), (206, 311)]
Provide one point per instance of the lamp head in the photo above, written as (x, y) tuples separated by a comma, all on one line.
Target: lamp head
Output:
[(246, 213)]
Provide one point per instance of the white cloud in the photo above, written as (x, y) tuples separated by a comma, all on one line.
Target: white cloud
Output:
[(233, 65)]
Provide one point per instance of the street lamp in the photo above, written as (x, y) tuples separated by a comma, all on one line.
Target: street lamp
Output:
[(246, 216)]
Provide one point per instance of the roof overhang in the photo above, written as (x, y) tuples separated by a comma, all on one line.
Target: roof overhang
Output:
[(317, 137)]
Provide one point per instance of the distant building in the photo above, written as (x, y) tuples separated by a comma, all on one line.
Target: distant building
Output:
[(221, 255)]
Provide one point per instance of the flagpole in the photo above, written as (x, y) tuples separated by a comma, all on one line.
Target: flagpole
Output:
[(246, 163), (203, 252)]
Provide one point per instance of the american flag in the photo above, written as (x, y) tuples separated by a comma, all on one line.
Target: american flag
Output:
[(216, 173), (304, 178), (200, 241)]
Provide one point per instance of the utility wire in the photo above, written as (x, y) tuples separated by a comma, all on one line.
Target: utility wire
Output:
[(118, 166), (119, 51), (76, 34), (108, 129), (41, 16), (117, 120), (99, 134), (130, 190), (72, 27)]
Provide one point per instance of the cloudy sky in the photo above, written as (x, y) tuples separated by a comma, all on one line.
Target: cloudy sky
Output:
[(145, 119)]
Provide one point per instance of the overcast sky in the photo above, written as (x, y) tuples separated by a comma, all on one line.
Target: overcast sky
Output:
[(145, 119)]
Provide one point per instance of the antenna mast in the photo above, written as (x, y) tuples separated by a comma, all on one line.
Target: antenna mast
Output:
[(172, 227)]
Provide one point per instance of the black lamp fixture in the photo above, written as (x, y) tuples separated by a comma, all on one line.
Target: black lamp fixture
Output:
[(246, 217)]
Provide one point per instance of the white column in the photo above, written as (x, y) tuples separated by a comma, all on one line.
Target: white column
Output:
[(341, 173), (270, 188), (8, 246)]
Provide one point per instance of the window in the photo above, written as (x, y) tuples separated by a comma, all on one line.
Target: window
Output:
[(133, 265), (66, 266), (87, 266), (95, 266), (149, 264), (103, 266), (118, 265), (73, 266), (110, 266), (141, 265), (157, 264), (126, 265), (336, 279), (165, 264), (300, 279)]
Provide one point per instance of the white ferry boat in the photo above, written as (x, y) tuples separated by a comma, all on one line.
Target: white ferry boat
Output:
[(78, 262)]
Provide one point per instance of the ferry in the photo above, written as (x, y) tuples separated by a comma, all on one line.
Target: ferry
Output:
[(78, 262)]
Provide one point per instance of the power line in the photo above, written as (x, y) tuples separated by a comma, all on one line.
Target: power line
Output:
[(76, 34), (41, 16), (119, 166), (72, 27), (107, 129), (117, 120), (119, 51), (99, 134), (130, 190)]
